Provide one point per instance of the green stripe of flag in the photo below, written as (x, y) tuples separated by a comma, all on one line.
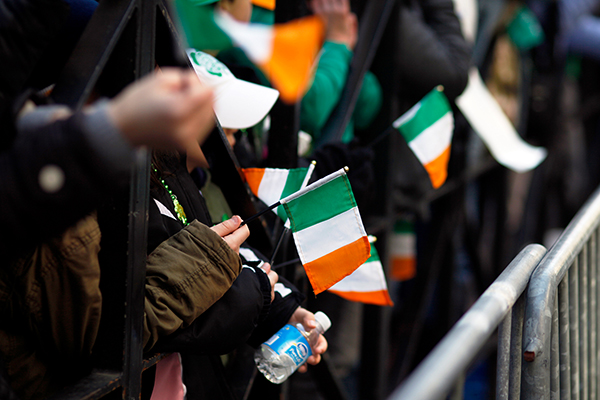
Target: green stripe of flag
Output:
[(374, 255), (432, 107), (317, 206), (293, 183), (404, 226), (200, 28)]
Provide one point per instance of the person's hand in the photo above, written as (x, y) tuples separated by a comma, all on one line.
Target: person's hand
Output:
[(231, 232), (342, 25), (307, 319), (167, 109), (273, 278)]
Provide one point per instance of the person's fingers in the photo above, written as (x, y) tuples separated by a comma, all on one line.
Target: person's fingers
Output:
[(321, 346), (314, 359), (309, 321), (238, 236), (273, 278), (228, 226), (266, 267)]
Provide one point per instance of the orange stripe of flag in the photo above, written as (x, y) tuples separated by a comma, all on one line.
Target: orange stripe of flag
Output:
[(268, 4), (254, 177), (379, 297), (403, 268), (295, 48), (438, 168), (326, 271)]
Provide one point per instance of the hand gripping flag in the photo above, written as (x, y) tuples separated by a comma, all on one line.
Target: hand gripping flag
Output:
[(284, 52), (272, 184), (367, 284), (327, 229), (428, 128)]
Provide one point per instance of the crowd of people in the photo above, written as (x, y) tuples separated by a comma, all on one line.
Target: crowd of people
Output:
[(208, 291)]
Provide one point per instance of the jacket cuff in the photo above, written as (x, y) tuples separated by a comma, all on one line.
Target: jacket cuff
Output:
[(265, 287)]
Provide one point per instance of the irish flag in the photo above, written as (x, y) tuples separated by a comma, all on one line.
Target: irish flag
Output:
[(327, 229), (403, 246), (367, 284), (268, 4), (272, 184), (284, 52), (428, 128)]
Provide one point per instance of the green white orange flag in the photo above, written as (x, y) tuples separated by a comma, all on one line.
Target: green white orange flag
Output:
[(402, 243), (268, 4), (328, 230), (428, 128), (284, 52), (367, 284), (272, 184)]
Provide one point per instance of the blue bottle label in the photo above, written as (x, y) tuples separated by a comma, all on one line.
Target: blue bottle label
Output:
[(290, 341)]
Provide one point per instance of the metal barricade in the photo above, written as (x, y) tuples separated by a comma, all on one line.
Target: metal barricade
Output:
[(561, 318), (498, 307)]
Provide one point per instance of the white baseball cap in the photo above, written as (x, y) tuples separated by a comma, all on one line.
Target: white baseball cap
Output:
[(238, 104)]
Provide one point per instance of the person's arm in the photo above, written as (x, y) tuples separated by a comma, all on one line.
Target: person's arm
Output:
[(185, 276), (58, 172), (369, 101), (432, 50), (326, 88), (332, 68), (229, 322)]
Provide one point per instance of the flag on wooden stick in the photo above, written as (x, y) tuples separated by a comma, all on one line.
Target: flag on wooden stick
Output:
[(367, 284), (328, 230), (428, 128)]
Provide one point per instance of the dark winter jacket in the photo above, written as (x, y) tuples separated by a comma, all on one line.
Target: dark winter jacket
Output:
[(27, 29), (56, 174), (431, 50)]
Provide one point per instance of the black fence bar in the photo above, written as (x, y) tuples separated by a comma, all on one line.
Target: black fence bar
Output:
[(92, 52), (138, 220)]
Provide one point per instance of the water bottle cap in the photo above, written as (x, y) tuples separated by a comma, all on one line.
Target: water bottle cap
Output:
[(323, 319)]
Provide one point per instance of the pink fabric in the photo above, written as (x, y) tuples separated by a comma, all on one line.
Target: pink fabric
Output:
[(168, 384)]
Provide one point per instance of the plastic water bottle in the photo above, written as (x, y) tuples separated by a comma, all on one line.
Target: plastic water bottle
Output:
[(289, 348)]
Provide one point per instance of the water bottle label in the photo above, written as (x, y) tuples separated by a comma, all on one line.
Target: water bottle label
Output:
[(291, 342)]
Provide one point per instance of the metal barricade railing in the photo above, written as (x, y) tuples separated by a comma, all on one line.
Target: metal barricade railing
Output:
[(448, 362), (548, 346), (560, 334)]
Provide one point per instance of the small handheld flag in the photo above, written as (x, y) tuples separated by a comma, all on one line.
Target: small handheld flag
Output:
[(328, 230), (272, 184), (367, 284), (428, 128), (284, 52)]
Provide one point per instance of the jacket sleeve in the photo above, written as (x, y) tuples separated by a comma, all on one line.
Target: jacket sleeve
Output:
[(326, 89), (229, 322), (54, 175), (432, 50), (186, 275), (324, 93)]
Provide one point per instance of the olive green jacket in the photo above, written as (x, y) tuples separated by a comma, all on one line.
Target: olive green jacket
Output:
[(50, 300)]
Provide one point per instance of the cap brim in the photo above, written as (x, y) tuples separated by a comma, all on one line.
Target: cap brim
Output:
[(240, 104)]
